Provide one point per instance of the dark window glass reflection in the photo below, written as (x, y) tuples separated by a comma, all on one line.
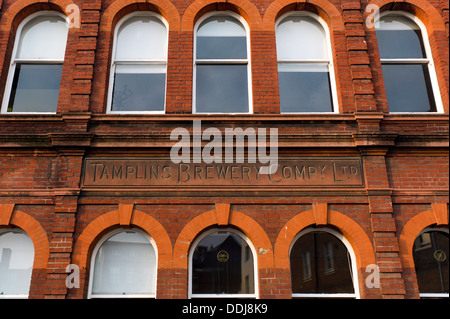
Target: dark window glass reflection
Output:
[(305, 88), (221, 48), (430, 254), (408, 88), (35, 88), (320, 263), (222, 89), (400, 44), (139, 92), (222, 263)]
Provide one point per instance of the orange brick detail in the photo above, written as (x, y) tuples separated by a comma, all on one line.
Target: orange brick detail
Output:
[(247, 225), (438, 215), (6, 211), (331, 14), (248, 11), (125, 212), (223, 214), (349, 228), (37, 235), (90, 234), (320, 213)]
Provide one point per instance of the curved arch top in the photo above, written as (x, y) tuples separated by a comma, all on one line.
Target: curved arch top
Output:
[(438, 215), (432, 17), (355, 235), (244, 223), (37, 234), (125, 216), (168, 11), (334, 18), (248, 11), (11, 13)]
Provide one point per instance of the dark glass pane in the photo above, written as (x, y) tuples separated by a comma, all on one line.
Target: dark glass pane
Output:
[(430, 254), (139, 92), (399, 37), (222, 89), (305, 89), (222, 264), (221, 48), (35, 88), (400, 44), (408, 88), (320, 264)]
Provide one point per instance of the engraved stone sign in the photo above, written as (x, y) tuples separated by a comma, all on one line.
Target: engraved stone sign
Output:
[(160, 173)]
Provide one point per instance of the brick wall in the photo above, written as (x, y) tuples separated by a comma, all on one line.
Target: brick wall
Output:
[(405, 157)]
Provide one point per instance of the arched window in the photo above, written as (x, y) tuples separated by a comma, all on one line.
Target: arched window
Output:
[(409, 76), (222, 264), (124, 265), (16, 264), (139, 64), (322, 265), (36, 65), (430, 253), (221, 65), (305, 69)]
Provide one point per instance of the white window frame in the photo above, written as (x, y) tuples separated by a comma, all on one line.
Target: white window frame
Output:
[(114, 61), (223, 61), (19, 231), (331, 71), (428, 60), (354, 268), (15, 61), (437, 294), (94, 255), (255, 266)]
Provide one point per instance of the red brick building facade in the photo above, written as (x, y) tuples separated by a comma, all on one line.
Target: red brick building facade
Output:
[(395, 164)]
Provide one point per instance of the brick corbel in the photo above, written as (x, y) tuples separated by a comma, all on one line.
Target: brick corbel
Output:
[(223, 214), (125, 214), (6, 211), (320, 212)]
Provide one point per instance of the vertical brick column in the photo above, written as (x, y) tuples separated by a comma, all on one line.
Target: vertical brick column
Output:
[(80, 59), (358, 56), (67, 173), (385, 241), (61, 243), (179, 73), (264, 73)]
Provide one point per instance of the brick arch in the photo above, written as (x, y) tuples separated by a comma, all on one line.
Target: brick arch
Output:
[(326, 10), (438, 216), (27, 7), (320, 215), (424, 10), (244, 7), (37, 234), (119, 8), (124, 216), (222, 216)]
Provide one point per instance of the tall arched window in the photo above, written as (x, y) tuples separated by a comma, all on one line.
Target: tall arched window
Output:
[(222, 65), (124, 265), (430, 253), (322, 265), (16, 264), (36, 65), (408, 71), (222, 265), (139, 64), (305, 68)]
